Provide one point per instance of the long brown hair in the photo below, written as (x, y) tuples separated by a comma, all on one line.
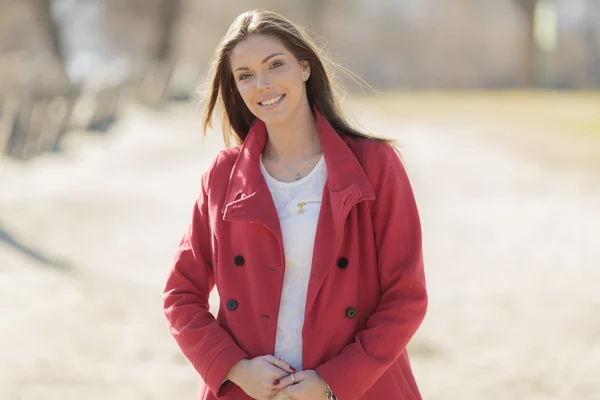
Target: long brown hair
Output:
[(320, 87)]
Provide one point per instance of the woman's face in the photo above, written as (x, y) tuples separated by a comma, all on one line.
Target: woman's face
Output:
[(269, 78)]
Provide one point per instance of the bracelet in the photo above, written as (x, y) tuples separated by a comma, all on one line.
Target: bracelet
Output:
[(329, 394)]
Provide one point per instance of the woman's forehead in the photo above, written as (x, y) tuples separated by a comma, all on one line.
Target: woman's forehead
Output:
[(255, 48)]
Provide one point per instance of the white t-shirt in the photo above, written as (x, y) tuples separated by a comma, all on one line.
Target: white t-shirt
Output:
[(298, 223)]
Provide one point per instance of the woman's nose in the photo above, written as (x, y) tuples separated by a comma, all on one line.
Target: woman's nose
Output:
[(262, 82)]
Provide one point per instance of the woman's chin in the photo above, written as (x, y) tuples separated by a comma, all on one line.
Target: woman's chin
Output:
[(274, 117)]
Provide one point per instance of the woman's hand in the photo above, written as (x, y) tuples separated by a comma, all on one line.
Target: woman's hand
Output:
[(256, 377), (306, 385)]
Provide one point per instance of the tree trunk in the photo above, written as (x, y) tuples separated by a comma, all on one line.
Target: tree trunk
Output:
[(530, 64), (170, 10), (315, 10), (43, 10), (592, 40)]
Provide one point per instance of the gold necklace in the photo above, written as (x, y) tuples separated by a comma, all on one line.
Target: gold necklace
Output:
[(297, 173), (302, 204), (297, 176)]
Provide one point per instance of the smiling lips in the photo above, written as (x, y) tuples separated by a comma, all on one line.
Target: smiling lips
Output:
[(272, 101)]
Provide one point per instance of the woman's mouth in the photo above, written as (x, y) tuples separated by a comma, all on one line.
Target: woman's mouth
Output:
[(272, 102)]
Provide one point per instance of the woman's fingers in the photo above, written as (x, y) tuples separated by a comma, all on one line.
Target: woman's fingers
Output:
[(291, 379), (281, 364)]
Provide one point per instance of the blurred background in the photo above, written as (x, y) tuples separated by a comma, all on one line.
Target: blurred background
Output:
[(495, 104)]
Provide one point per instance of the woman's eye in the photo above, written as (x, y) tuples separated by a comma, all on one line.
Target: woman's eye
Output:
[(276, 64), (243, 76)]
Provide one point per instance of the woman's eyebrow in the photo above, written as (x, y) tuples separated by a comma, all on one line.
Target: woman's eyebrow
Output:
[(262, 62)]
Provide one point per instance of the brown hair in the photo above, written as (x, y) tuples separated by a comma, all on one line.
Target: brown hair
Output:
[(320, 88)]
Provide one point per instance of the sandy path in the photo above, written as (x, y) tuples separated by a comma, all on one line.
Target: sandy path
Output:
[(511, 257)]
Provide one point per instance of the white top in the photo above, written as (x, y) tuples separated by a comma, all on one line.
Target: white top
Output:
[(298, 230)]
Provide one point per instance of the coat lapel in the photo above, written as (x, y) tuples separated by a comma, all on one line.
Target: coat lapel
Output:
[(248, 197), (347, 185)]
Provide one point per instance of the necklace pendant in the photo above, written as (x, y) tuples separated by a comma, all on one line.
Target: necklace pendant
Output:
[(301, 208), (297, 177)]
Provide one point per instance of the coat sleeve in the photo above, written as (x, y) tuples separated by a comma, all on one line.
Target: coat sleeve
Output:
[(211, 350), (403, 302)]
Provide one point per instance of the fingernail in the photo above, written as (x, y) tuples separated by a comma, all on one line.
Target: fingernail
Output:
[(292, 368), (276, 382)]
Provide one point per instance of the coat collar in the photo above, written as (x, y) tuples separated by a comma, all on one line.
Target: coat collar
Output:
[(248, 197), (345, 174)]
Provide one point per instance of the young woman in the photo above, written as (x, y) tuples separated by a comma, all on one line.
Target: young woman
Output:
[(309, 230)]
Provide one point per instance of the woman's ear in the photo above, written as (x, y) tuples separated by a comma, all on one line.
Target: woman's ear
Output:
[(305, 70)]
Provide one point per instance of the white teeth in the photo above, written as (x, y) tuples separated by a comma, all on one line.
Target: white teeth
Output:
[(272, 101)]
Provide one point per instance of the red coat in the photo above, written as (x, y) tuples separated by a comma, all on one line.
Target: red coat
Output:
[(366, 294)]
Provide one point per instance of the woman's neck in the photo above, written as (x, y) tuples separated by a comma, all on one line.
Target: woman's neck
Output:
[(295, 141)]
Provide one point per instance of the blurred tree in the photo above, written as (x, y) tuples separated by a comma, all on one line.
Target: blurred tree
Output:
[(592, 40), (170, 11), (154, 89), (46, 98), (530, 65), (315, 9), (43, 11)]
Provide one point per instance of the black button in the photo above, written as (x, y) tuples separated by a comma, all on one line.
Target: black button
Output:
[(351, 313), (342, 263), (231, 305), (238, 260)]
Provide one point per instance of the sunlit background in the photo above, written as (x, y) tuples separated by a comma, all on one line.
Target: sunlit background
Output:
[(495, 104)]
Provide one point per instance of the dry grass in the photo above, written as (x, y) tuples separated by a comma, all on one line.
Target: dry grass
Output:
[(552, 127)]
